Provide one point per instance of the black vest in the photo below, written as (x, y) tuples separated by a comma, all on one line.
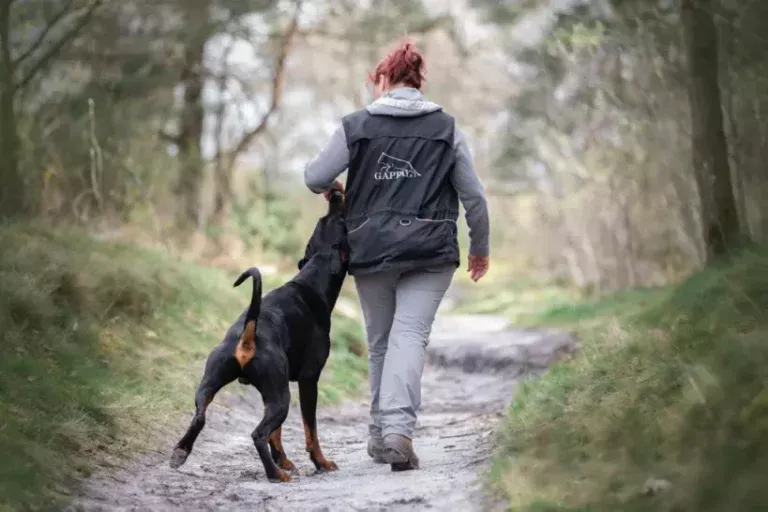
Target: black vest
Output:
[(401, 206)]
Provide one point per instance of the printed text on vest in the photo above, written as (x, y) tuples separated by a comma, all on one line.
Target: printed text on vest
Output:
[(394, 168)]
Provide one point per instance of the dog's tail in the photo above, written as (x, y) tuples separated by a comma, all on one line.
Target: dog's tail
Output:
[(255, 306), (246, 345)]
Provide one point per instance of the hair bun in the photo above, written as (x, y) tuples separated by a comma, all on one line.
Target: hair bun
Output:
[(404, 65), (412, 57)]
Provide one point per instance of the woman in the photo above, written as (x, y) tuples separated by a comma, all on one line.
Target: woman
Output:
[(409, 166)]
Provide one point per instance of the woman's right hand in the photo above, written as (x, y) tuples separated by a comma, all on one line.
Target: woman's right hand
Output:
[(478, 266), (337, 185)]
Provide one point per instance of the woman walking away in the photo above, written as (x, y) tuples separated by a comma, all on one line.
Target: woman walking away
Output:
[(409, 166)]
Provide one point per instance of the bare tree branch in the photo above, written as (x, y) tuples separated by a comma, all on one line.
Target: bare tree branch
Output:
[(336, 35), (48, 27), (221, 82), (58, 45), (277, 88)]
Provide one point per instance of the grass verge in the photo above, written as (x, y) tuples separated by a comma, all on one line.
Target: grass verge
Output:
[(103, 345), (519, 300), (665, 407)]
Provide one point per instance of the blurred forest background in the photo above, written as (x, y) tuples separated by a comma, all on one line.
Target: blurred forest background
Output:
[(149, 149), (618, 140)]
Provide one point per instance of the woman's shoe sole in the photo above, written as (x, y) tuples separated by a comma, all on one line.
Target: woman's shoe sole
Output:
[(391, 456), (403, 466), (398, 461)]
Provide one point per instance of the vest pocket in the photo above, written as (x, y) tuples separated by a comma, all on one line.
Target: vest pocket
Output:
[(390, 238), (424, 219), (426, 239), (359, 227)]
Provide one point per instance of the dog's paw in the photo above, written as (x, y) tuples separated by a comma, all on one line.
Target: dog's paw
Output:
[(328, 465), (281, 477), (287, 464), (178, 458)]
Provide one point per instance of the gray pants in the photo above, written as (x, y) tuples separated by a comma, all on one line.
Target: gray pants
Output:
[(399, 309)]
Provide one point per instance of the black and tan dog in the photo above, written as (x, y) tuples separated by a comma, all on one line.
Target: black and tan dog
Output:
[(282, 338)]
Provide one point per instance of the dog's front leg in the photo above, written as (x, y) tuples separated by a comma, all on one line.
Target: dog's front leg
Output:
[(308, 399), (275, 412)]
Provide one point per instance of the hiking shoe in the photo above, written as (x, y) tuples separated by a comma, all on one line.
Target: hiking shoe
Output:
[(399, 453), (376, 450)]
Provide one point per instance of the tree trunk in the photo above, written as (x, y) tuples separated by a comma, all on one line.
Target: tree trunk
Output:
[(192, 116), (12, 190), (720, 220), (222, 197), (758, 174), (730, 80), (222, 172)]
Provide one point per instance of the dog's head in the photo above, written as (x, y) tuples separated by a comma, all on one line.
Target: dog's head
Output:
[(330, 236)]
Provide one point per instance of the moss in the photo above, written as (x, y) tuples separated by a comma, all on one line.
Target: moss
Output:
[(670, 384), (102, 348)]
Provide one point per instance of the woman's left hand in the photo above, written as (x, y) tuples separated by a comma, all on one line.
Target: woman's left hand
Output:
[(477, 266)]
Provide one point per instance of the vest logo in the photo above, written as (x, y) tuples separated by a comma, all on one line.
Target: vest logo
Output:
[(394, 168)]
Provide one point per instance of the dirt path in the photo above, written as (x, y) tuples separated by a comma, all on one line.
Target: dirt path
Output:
[(473, 364)]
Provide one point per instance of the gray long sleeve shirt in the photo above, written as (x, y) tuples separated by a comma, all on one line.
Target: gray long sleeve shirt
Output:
[(333, 160)]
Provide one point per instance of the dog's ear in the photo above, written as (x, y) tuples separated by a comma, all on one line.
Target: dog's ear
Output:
[(302, 262)]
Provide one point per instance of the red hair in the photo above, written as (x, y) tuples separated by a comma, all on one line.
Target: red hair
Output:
[(404, 65)]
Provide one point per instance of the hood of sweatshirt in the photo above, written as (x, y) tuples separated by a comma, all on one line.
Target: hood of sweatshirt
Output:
[(402, 102)]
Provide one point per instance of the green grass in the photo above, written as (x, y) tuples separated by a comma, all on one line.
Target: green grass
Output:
[(103, 345), (530, 303), (522, 301), (669, 384)]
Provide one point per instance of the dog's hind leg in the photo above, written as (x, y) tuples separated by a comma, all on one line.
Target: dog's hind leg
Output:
[(277, 451), (220, 369), (276, 405), (308, 399)]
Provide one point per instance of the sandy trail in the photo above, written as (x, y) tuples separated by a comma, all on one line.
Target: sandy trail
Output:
[(474, 362)]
